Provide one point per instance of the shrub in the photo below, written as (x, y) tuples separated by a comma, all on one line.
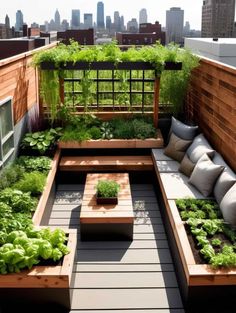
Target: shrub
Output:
[(41, 164), (10, 176), (32, 182), (107, 188), (95, 133)]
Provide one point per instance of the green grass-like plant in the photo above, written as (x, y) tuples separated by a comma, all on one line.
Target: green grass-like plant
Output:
[(107, 189), (33, 182)]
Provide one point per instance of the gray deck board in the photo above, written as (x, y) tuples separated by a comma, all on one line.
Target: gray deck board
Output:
[(102, 299), (121, 276)]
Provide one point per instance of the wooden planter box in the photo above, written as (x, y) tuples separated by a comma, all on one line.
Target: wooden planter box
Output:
[(114, 143), (108, 66), (42, 284), (101, 200)]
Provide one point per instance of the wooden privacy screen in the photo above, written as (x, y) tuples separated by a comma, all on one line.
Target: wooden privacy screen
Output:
[(211, 103)]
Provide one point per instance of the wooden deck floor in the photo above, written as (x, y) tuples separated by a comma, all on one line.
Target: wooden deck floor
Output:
[(121, 276)]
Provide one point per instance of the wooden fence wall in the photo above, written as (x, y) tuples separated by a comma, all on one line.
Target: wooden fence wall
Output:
[(211, 103), (19, 80)]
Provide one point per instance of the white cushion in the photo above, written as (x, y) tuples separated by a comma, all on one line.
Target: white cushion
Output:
[(176, 186)]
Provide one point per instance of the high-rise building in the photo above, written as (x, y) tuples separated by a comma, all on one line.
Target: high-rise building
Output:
[(218, 18), (7, 22), (143, 16), (186, 28), (132, 26), (88, 20), (75, 19), (64, 25), (57, 20), (19, 20), (100, 15), (174, 25), (108, 23), (122, 23), (117, 21)]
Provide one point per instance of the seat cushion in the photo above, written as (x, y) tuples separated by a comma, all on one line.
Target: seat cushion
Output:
[(176, 186), (176, 147), (182, 130), (228, 206), (167, 166), (159, 155), (225, 181), (205, 174), (199, 147)]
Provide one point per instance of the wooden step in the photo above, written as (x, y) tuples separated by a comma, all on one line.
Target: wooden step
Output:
[(95, 163)]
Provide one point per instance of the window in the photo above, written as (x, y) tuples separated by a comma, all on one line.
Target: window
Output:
[(6, 131)]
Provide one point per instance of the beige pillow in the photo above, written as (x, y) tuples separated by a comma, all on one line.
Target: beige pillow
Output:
[(186, 166), (176, 147), (205, 174)]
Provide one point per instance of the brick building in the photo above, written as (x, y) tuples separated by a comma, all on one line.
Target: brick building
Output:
[(83, 36)]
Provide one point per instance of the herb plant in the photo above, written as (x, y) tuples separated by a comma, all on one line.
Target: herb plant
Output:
[(107, 189), (41, 141), (32, 182), (30, 163)]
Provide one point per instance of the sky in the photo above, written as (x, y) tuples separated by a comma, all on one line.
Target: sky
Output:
[(39, 11)]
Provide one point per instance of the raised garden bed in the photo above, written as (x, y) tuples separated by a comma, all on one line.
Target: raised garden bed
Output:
[(114, 143), (47, 282), (196, 280)]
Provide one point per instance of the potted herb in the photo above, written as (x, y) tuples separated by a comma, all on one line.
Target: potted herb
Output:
[(107, 192)]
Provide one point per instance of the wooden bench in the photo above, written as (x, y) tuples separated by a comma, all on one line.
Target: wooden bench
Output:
[(107, 163), (107, 221)]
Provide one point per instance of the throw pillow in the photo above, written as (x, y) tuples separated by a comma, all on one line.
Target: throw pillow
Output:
[(205, 174), (176, 147), (182, 130), (228, 206), (225, 181), (186, 166), (199, 147)]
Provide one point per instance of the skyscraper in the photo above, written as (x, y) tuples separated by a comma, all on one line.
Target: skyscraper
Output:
[(218, 18), (100, 15), (57, 20), (142, 16), (88, 20), (19, 20), (7, 22), (174, 25), (75, 19), (108, 23), (117, 21)]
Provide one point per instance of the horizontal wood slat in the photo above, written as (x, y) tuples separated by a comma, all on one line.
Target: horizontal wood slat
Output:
[(87, 163), (211, 103)]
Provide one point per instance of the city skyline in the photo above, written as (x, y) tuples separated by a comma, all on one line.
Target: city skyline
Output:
[(47, 12)]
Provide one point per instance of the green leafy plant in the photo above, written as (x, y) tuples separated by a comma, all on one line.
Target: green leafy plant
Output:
[(107, 188), (208, 252), (18, 201), (30, 163), (41, 141), (33, 182), (10, 175), (23, 249), (106, 131), (216, 242)]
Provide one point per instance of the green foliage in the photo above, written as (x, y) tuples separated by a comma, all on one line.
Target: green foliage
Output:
[(41, 141), (18, 201), (107, 188), (33, 182), (174, 84), (216, 242), (22, 249), (106, 131), (10, 175), (205, 230), (95, 132), (40, 164)]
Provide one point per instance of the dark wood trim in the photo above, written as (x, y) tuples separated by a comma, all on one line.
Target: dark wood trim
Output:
[(108, 66)]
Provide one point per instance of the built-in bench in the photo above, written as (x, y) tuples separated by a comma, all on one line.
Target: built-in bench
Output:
[(106, 163)]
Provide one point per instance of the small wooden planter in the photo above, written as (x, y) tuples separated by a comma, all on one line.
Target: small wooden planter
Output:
[(114, 143), (100, 200)]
